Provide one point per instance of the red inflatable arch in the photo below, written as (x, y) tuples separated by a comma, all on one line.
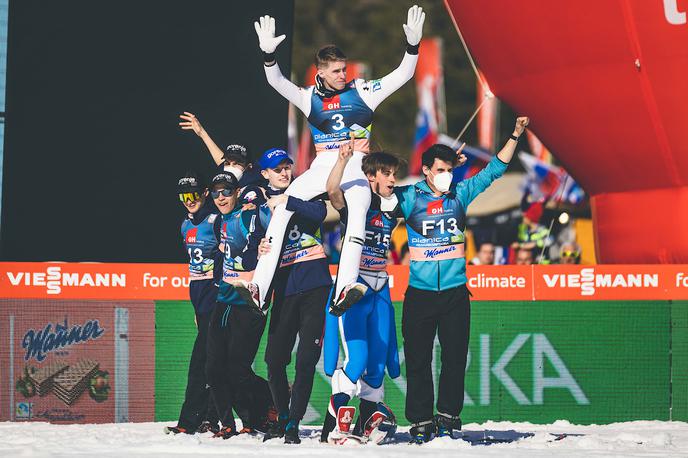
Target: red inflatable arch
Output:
[(605, 84)]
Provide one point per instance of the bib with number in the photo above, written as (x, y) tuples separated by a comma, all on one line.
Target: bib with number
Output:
[(435, 229), (201, 245), (331, 120)]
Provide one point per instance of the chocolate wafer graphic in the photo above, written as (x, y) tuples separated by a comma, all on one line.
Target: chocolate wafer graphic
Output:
[(44, 376), (70, 384)]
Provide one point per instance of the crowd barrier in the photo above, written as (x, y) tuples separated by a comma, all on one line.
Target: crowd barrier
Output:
[(90, 343)]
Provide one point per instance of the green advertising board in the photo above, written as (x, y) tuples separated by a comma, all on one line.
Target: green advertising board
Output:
[(585, 362)]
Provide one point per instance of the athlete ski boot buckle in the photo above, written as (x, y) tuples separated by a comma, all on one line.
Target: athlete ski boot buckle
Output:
[(446, 424), (345, 416), (349, 296), (422, 432), (250, 293), (382, 425)]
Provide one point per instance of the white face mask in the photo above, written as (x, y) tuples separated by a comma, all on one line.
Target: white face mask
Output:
[(234, 170), (442, 181), (388, 204)]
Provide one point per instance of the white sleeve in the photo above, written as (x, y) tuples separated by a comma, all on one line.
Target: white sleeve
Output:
[(375, 91), (300, 97)]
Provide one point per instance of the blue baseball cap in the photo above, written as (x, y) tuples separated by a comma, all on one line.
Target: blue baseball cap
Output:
[(272, 158)]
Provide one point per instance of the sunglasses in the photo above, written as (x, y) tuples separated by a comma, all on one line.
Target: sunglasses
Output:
[(570, 254), (189, 197), (224, 191)]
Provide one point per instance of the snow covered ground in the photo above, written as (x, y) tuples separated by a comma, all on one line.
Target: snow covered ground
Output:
[(633, 439)]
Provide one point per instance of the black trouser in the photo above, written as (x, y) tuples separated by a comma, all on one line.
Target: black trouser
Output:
[(233, 337), (195, 407), (426, 314), (302, 314)]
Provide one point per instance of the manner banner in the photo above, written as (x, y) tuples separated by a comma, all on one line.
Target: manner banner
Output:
[(76, 361)]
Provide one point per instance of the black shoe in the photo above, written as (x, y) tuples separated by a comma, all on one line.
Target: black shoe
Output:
[(349, 296), (249, 292), (328, 427), (276, 429), (206, 426), (226, 432), (291, 433), (422, 432), (446, 424), (176, 430)]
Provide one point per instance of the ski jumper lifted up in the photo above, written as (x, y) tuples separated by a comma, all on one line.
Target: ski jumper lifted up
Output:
[(335, 108)]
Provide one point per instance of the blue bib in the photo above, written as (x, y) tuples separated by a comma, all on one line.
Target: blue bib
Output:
[(331, 119), (435, 228), (202, 247)]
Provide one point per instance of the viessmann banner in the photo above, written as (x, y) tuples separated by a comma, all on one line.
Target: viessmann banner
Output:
[(170, 281)]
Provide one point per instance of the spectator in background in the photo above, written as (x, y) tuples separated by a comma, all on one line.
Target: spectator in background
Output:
[(524, 256), (570, 253), (485, 256), (392, 256), (531, 234)]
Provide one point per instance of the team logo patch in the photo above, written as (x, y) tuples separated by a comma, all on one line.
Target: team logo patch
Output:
[(377, 221), (249, 196), (435, 207), (376, 85), (331, 103), (191, 235)]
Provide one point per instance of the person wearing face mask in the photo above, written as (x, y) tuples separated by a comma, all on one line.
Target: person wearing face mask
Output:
[(437, 300), (335, 109), (367, 330), (234, 159), (301, 287)]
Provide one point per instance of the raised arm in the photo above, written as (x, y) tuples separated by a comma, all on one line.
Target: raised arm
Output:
[(379, 90), (470, 188), (334, 180), (265, 29), (190, 122), (507, 152)]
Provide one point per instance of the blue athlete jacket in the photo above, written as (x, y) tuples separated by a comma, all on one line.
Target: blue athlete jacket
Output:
[(435, 228), (331, 119), (240, 236)]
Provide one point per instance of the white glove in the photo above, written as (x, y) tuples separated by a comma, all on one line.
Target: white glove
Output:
[(265, 30), (414, 25)]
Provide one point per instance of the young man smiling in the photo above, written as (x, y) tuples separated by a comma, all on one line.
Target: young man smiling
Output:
[(301, 288), (200, 232), (437, 300), (335, 109), (367, 329), (235, 329)]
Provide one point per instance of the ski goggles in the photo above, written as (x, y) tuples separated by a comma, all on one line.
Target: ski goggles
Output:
[(570, 254), (227, 192), (189, 197)]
